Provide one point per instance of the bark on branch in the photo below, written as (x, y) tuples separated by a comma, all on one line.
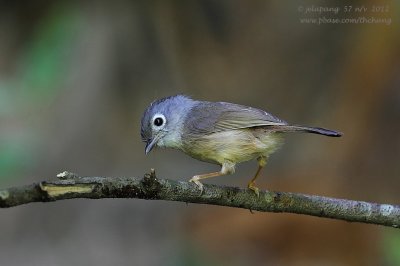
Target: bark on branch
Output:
[(70, 186)]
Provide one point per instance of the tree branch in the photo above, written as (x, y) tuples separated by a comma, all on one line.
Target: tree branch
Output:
[(70, 186)]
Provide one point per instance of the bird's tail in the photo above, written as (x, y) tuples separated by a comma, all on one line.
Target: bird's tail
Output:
[(315, 130)]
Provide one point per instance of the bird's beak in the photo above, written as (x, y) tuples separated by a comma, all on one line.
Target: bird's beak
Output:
[(151, 143)]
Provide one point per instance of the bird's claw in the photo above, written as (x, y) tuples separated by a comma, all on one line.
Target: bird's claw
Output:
[(197, 182), (252, 186)]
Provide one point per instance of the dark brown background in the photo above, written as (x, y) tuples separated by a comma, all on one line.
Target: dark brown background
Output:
[(75, 79)]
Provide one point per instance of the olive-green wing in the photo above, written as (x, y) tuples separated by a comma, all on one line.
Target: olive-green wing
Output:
[(209, 117)]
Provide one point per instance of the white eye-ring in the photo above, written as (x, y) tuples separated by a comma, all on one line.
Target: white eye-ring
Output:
[(158, 121)]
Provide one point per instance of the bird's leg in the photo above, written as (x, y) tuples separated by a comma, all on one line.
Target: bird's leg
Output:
[(195, 179), (262, 161), (227, 168)]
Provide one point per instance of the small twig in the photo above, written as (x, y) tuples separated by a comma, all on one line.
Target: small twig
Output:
[(70, 186)]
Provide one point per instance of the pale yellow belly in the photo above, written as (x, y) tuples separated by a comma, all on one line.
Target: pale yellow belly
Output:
[(235, 146)]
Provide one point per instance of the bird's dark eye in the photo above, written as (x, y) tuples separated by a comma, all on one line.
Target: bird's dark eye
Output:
[(158, 122)]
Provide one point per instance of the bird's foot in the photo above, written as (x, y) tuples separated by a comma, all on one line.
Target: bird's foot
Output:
[(195, 180), (253, 187)]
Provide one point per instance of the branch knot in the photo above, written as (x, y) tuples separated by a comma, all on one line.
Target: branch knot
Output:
[(151, 185)]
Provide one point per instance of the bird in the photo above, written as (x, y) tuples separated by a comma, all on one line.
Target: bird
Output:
[(221, 133)]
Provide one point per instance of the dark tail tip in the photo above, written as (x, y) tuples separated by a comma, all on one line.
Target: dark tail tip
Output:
[(323, 131)]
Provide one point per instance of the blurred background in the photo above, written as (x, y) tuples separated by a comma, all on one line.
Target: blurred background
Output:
[(75, 78)]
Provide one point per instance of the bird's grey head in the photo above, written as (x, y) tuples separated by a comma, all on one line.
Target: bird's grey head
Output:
[(163, 120)]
